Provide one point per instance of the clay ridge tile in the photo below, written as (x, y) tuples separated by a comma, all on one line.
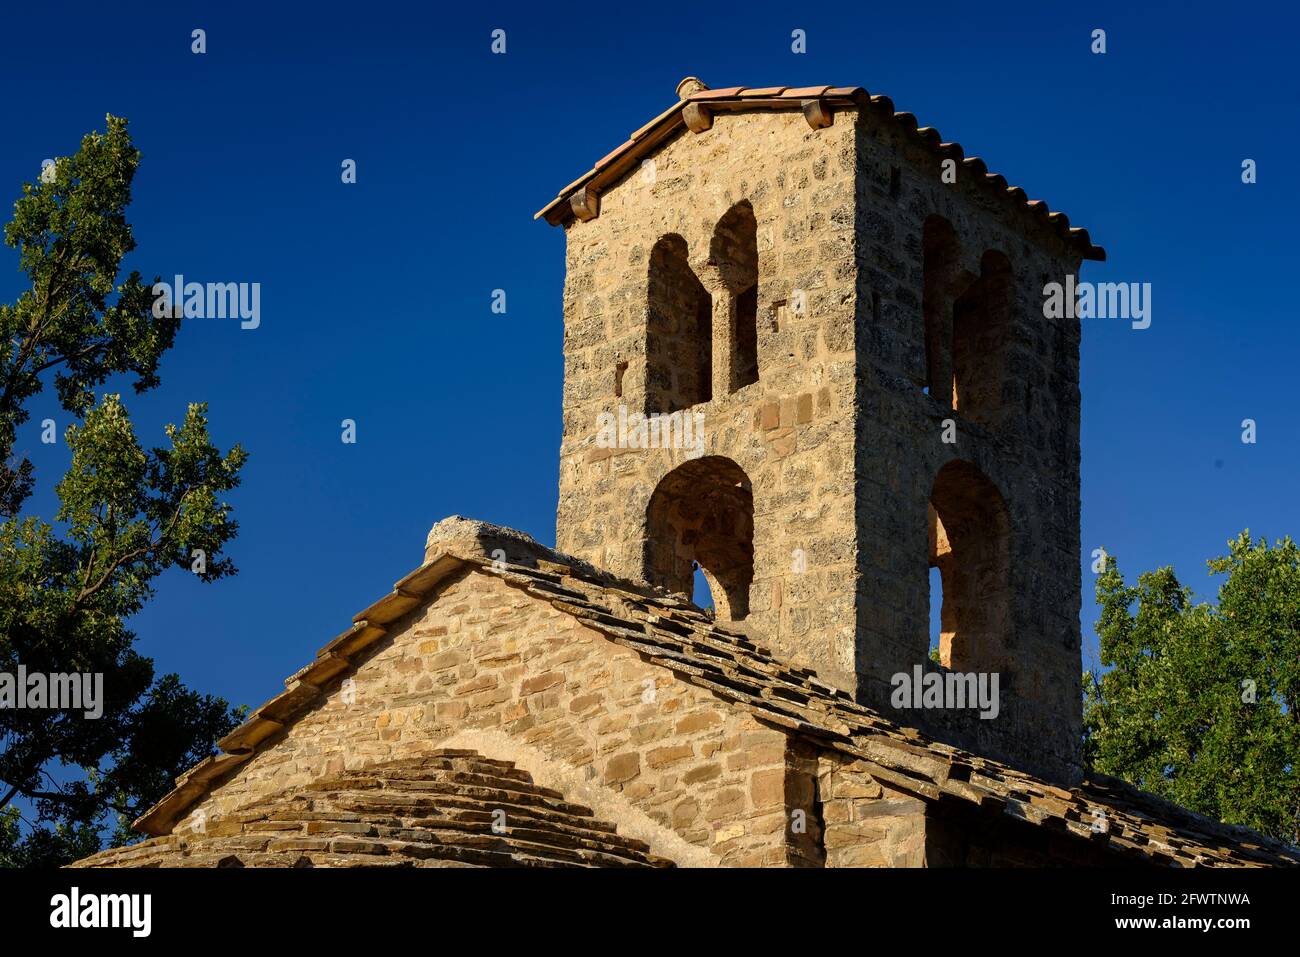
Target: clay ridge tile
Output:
[(723, 94), (805, 92)]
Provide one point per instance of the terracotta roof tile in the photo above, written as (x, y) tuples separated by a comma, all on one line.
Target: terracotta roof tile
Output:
[(803, 92), (724, 94), (643, 131), (907, 120), (613, 155)]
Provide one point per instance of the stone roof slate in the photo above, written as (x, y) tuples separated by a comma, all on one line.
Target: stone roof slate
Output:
[(671, 632), (441, 809)]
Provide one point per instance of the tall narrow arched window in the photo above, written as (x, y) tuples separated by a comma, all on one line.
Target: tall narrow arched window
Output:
[(679, 331), (981, 341), (702, 514), (733, 253), (940, 263), (969, 532)]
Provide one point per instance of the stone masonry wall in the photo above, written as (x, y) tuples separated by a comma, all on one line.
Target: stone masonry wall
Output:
[(1026, 444), (791, 430), (667, 763), (866, 823)]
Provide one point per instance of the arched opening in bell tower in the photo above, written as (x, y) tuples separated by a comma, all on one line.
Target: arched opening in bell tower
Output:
[(969, 535), (702, 513), (679, 331)]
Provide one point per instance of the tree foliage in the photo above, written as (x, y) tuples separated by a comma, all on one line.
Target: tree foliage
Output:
[(126, 514), (1199, 704)]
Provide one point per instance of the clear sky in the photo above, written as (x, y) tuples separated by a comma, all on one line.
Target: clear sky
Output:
[(376, 296)]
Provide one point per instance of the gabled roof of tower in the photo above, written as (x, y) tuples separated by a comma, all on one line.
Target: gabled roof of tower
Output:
[(697, 104), (674, 634)]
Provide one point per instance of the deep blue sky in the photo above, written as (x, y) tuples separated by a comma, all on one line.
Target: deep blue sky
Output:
[(375, 297)]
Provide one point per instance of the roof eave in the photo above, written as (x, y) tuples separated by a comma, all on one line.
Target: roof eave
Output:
[(585, 190)]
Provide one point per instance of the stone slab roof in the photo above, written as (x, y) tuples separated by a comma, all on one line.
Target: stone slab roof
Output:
[(671, 632), (436, 810), (696, 105)]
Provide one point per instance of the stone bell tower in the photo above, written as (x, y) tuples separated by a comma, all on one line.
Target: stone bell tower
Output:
[(805, 349)]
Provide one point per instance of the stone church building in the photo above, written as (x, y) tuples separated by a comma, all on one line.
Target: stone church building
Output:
[(806, 355)]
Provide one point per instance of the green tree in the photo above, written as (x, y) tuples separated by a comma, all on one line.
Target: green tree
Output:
[(1199, 704), (125, 514)]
